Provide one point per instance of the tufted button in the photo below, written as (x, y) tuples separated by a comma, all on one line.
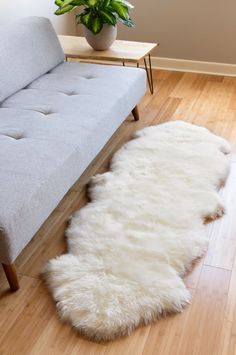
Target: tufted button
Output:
[(89, 77), (44, 113), (48, 113), (14, 135), (72, 93)]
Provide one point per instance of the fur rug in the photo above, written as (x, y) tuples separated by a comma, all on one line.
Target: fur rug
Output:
[(129, 248)]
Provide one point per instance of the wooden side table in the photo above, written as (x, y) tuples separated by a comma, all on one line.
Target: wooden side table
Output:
[(120, 51)]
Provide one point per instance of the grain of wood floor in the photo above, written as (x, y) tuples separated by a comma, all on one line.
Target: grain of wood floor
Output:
[(28, 320)]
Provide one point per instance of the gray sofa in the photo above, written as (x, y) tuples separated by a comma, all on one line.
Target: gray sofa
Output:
[(55, 117)]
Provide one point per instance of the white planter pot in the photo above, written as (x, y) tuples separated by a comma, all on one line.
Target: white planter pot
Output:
[(103, 40)]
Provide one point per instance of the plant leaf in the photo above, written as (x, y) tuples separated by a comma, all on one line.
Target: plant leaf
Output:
[(106, 3), (65, 9), (128, 23), (72, 2), (59, 3), (66, 3), (126, 3), (96, 25), (78, 2), (108, 17), (85, 18), (91, 3), (121, 10)]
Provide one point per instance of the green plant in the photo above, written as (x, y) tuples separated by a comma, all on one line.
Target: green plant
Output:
[(96, 13)]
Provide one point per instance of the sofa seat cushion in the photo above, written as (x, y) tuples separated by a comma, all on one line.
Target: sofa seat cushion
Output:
[(49, 133), (89, 91)]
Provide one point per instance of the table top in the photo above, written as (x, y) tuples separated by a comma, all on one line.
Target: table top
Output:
[(126, 51)]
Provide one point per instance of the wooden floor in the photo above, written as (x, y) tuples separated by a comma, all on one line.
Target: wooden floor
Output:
[(28, 319)]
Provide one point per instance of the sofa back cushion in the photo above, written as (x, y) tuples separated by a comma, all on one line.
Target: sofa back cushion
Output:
[(28, 49)]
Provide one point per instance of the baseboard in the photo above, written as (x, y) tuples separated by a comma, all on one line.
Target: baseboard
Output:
[(194, 66)]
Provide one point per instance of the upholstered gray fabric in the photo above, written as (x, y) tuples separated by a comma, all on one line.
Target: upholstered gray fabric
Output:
[(49, 133), (28, 49)]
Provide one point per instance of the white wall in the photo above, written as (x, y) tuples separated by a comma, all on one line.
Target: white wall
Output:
[(11, 10), (203, 30)]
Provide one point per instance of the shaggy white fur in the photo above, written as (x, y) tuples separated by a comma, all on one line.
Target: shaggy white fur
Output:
[(130, 246)]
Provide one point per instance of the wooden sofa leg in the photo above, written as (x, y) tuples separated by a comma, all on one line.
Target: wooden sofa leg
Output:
[(10, 271), (135, 113)]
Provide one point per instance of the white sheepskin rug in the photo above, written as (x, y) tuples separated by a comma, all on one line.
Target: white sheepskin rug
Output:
[(129, 248)]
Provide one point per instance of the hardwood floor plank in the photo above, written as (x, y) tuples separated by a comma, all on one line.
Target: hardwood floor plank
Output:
[(191, 84), (130, 345), (192, 278), (230, 312), (27, 314), (165, 336), (59, 338), (168, 109), (196, 331), (228, 332), (227, 344), (222, 233), (190, 89), (165, 90), (206, 313), (213, 100)]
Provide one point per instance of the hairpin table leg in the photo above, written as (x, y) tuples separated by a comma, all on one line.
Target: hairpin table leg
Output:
[(149, 73)]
